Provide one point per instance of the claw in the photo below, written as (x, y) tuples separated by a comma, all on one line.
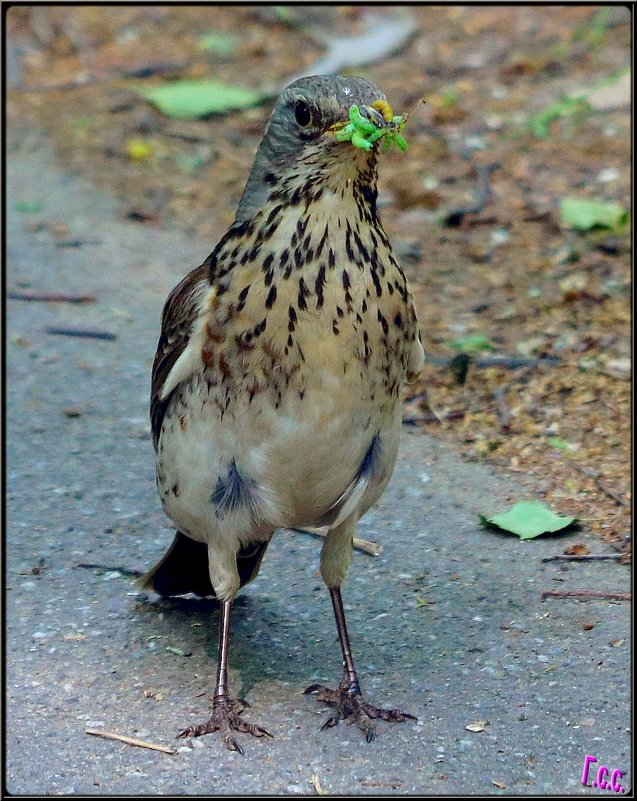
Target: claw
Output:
[(226, 718), (231, 744), (351, 707), (330, 722)]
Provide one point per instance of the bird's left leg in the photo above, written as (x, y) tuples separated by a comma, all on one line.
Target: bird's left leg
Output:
[(336, 557), (226, 711)]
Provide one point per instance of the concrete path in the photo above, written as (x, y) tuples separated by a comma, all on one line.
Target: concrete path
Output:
[(448, 623)]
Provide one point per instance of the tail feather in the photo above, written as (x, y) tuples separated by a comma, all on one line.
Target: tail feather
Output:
[(184, 568)]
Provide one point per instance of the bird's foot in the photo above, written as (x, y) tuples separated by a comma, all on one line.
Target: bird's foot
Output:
[(351, 707), (225, 719)]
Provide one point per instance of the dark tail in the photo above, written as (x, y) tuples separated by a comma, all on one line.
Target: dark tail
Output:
[(184, 568)]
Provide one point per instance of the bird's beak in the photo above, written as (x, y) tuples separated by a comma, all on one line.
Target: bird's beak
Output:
[(381, 111)]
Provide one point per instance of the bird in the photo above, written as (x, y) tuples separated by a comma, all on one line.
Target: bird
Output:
[(277, 380)]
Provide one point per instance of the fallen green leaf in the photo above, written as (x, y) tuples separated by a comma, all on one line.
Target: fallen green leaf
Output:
[(472, 343), (562, 444), (217, 43), (284, 14), (187, 165), (29, 205), (594, 32), (528, 519), (570, 106), (584, 214), (448, 97), (194, 99)]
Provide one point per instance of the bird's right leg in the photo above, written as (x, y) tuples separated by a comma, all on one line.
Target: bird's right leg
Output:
[(336, 556), (226, 711)]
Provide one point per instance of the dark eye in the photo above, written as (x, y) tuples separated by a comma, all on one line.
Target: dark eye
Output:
[(302, 113)]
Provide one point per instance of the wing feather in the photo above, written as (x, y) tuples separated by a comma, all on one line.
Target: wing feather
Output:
[(179, 316)]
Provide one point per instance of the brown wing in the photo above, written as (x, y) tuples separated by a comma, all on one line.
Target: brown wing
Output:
[(180, 312)]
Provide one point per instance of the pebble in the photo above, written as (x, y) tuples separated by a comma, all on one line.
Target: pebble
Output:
[(499, 236), (609, 174)]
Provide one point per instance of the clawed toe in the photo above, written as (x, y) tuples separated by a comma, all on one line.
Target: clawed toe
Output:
[(351, 707), (225, 719)]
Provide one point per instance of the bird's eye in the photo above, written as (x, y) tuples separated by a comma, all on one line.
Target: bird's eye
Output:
[(302, 113)]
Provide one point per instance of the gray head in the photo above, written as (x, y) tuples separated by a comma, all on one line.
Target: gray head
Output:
[(300, 136)]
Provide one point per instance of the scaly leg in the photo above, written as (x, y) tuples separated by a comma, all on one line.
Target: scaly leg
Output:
[(226, 711), (348, 699)]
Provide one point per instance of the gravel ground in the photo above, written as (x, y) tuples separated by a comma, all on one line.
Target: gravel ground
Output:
[(549, 680)]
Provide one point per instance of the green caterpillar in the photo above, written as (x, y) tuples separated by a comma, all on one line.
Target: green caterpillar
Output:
[(363, 132)]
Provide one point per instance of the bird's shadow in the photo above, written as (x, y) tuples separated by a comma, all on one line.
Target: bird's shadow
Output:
[(267, 641)]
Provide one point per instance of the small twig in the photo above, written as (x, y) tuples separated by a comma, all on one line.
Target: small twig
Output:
[(109, 735), (457, 414), (80, 332), (371, 548), (590, 473), (425, 404), (109, 75), (616, 557), (393, 785), (76, 243), (503, 361), (316, 784), (125, 571), (50, 297), (608, 596), (513, 362)]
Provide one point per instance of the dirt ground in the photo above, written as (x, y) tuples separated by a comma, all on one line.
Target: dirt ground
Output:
[(473, 207)]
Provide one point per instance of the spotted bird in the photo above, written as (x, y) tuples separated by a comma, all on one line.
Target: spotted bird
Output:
[(276, 386)]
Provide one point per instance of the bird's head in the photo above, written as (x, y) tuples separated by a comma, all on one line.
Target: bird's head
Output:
[(303, 144)]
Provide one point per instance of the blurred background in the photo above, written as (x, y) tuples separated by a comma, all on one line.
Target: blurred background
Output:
[(509, 212)]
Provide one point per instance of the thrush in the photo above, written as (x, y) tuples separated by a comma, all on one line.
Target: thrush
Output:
[(276, 386)]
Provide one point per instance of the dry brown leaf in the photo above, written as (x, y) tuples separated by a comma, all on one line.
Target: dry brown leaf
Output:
[(576, 550), (477, 726)]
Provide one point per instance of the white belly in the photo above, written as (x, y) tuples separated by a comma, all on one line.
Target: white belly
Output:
[(260, 468)]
